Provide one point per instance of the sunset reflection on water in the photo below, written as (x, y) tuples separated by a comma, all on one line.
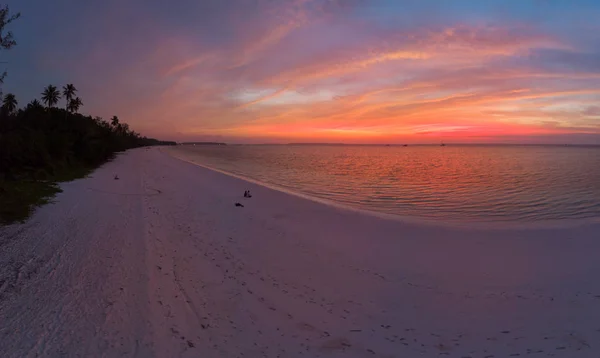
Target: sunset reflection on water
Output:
[(452, 183)]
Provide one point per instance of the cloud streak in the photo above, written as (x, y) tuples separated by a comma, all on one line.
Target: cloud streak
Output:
[(325, 70)]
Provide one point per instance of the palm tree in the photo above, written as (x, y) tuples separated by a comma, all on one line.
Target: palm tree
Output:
[(50, 96), (114, 121), (74, 105), (9, 103), (69, 92), (35, 104)]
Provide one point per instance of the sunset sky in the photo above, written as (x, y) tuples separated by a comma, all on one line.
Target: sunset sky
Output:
[(354, 71)]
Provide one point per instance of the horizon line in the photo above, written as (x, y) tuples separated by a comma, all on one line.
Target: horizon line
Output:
[(396, 144)]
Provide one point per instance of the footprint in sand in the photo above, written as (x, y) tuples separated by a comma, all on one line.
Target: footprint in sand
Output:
[(335, 345)]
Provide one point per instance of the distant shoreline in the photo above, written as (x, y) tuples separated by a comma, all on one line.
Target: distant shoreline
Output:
[(202, 143), (395, 145)]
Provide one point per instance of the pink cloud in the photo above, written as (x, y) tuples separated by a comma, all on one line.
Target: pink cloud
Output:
[(461, 78)]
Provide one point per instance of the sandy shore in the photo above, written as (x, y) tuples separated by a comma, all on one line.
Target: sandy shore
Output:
[(162, 264)]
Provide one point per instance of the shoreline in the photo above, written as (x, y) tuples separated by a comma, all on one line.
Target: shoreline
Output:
[(161, 263), (414, 220)]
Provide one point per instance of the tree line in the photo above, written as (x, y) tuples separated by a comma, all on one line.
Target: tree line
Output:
[(41, 144), (40, 141)]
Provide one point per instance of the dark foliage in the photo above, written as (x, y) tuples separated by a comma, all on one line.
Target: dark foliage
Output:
[(39, 143), (7, 40), (42, 145)]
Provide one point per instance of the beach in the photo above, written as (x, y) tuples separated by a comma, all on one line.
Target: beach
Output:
[(161, 263)]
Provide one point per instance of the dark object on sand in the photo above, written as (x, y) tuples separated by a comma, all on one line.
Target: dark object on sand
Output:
[(247, 194), (238, 204), (116, 177)]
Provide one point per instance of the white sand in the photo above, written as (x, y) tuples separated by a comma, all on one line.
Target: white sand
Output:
[(161, 263)]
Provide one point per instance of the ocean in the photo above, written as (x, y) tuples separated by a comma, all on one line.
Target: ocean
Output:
[(453, 183)]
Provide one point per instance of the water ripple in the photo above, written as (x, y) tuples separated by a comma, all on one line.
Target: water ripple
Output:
[(462, 183)]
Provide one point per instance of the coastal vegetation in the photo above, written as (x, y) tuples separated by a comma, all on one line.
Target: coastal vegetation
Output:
[(42, 144)]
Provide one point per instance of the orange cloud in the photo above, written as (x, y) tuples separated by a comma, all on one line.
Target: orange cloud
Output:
[(306, 76), (452, 46), (271, 38), (190, 63), (265, 98)]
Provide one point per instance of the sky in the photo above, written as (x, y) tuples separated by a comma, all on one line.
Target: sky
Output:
[(352, 71)]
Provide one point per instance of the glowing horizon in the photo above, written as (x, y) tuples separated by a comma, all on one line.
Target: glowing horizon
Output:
[(353, 71)]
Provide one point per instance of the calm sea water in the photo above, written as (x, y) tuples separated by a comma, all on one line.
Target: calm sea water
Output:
[(451, 183)]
